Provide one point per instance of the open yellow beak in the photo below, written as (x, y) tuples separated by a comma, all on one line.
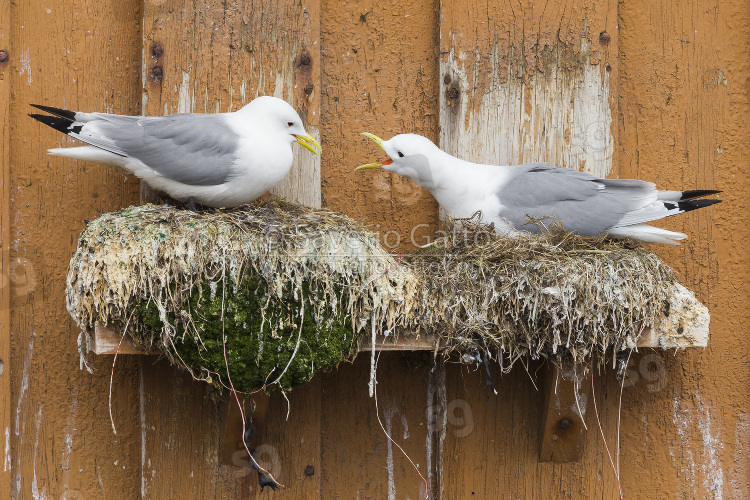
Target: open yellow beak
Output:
[(379, 142), (309, 142)]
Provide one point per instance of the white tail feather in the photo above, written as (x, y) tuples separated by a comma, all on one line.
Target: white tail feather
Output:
[(647, 234), (89, 153)]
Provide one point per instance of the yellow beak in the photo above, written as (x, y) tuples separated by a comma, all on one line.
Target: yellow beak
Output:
[(379, 142), (309, 142)]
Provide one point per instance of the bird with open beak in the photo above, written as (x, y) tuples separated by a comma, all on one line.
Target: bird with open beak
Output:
[(511, 196)]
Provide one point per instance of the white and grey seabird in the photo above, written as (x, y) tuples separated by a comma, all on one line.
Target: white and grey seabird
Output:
[(511, 196), (217, 160)]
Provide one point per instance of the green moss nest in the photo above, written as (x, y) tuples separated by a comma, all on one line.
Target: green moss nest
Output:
[(275, 292), (288, 354)]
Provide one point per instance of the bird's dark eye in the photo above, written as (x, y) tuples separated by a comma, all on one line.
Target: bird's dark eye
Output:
[(290, 124), (400, 154)]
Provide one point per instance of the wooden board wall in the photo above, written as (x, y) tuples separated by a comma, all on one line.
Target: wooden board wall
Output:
[(80, 55), (662, 96)]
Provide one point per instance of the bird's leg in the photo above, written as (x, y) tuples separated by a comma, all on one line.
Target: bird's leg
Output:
[(191, 204)]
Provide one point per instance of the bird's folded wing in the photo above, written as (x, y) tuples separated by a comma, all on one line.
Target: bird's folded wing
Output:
[(194, 149), (582, 202)]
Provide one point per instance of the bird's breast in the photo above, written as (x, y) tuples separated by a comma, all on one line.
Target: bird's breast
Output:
[(267, 162)]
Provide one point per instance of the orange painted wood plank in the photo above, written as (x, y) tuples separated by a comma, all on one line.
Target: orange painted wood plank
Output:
[(211, 57), (5, 277), (78, 55), (522, 82), (684, 116)]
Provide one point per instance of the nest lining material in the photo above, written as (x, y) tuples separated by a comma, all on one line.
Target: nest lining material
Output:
[(289, 290)]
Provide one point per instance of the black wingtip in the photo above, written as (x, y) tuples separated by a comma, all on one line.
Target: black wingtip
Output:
[(62, 113), (686, 206), (57, 123), (697, 193)]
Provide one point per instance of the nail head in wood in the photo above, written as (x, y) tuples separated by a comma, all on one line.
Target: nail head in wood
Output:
[(157, 73), (157, 49)]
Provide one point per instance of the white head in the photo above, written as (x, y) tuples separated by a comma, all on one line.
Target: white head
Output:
[(275, 116), (409, 155)]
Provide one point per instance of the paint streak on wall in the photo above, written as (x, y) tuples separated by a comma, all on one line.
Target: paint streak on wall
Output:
[(521, 84), (739, 471), (698, 464), (559, 114)]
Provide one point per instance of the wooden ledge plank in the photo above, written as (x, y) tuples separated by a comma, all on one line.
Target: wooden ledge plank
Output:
[(683, 324), (104, 340)]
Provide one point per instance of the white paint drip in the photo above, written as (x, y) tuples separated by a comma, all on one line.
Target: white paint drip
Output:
[(684, 415), (26, 65), (70, 427), (243, 91), (35, 493), (6, 461), (184, 98), (561, 116), (24, 381), (713, 474), (83, 349), (101, 483), (405, 425), (19, 428), (684, 463)]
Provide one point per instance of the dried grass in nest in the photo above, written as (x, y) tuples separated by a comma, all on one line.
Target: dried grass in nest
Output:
[(553, 295), (293, 288)]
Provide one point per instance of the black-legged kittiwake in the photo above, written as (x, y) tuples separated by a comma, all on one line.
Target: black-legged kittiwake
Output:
[(509, 197), (217, 160)]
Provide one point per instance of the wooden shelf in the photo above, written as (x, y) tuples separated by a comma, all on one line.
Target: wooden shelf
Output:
[(562, 436)]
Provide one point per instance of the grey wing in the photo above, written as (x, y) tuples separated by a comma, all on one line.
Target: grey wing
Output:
[(584, 203), (195, 149)]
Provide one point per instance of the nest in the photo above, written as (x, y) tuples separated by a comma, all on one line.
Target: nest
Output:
[(555, 295), (272, 293)]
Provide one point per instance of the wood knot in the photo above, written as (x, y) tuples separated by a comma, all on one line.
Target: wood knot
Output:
[(604, 38), (309, 88), (4, 56)]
